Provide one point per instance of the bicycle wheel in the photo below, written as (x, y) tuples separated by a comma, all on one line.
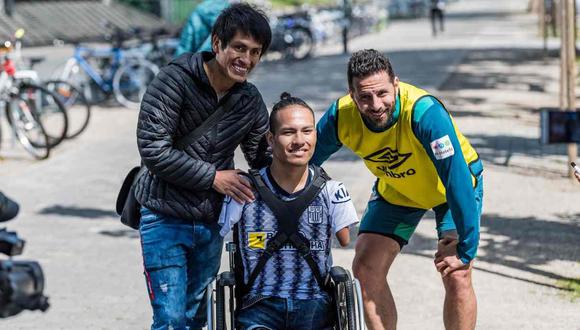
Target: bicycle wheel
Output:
[(77, 108), (27, 128), (49, 110), (131, 80), (302, 44)]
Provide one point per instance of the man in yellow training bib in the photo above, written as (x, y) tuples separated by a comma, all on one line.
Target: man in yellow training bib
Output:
[(409, 141)]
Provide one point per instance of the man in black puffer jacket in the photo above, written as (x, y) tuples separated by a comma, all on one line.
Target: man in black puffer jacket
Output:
[(182, 192)]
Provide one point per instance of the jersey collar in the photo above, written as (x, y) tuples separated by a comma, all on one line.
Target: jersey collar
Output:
[(279, 191)]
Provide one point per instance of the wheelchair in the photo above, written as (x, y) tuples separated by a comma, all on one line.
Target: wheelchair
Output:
[(221, 298)]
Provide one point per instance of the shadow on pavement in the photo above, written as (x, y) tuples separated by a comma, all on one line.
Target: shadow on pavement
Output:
[(519, 243), (499, 149), (121, 233), (323, 78), (498, 69), (80, 212), (492, 15)]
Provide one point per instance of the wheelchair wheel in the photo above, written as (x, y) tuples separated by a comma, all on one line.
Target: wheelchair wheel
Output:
[(220, 308), (346, 308)]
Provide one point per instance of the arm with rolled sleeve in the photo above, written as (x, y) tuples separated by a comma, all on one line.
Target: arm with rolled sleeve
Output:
[(327, 141), (157, 124), (431, 122), (341, 207)]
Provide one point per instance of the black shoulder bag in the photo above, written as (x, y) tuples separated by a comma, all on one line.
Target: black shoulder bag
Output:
[(127, 205)]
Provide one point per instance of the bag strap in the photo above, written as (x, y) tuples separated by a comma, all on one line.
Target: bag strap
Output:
[(288, 214), (184, 141), (222, 109)]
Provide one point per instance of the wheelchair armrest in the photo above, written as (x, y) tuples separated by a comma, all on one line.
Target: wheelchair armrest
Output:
[(230, 246), (226, 279), (339, 274)]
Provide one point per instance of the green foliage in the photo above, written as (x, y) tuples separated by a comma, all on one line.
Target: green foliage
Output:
[(294, 3), (572, 285), (146, 6), (179, 10)]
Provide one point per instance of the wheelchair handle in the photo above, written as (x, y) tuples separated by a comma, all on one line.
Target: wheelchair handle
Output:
[(339, 274), (231, 248)]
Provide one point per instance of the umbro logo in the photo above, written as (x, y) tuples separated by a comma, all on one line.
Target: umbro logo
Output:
[(387, 155)]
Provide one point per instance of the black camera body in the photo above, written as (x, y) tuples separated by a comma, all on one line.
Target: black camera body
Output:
[(21, 282), (557, 126)]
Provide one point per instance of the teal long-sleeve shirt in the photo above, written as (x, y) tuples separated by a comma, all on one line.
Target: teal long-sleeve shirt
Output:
[(196, 33), (430, 122)]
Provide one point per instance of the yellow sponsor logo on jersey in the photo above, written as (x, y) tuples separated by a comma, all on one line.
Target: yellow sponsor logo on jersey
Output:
[(257, 239)]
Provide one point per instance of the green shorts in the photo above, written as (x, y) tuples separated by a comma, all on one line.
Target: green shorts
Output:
[(399, 222)]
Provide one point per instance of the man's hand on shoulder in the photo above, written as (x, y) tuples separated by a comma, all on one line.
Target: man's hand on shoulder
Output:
[(230, 183), (446, 258)]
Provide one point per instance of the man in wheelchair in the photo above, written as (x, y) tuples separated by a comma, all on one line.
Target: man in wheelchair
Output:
[(283, 238)]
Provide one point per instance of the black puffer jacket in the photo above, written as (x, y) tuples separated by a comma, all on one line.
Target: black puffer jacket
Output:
[(180, 98)]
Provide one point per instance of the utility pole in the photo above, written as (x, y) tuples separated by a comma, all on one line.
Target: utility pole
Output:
[(568, 68), (542, 21), (347, 10)]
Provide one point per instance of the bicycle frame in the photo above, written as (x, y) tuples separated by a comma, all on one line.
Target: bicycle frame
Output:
[(104, 83), (114, 78), (5, 84), (8, 82)]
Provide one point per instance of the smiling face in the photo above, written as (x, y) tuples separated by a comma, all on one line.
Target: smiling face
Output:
[(238, 58), (294, 136), (375, 97)]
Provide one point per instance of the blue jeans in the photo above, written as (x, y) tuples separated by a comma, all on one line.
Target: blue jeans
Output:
[(180, 259), (281, 313)]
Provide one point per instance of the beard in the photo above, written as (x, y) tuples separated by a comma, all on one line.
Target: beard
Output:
[(378, 125)]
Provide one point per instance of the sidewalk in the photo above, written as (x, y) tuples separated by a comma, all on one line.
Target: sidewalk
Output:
[(488, 69)]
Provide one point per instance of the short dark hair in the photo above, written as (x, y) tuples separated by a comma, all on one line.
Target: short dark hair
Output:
[(286, 100), (245, 18), (367, 62)]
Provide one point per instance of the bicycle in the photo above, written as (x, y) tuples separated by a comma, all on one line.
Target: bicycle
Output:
[(45, 104), (24, 121), (158, 45), (117, 72), (77, 108)]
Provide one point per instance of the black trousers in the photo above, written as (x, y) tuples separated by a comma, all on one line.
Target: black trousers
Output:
[(437, 14)]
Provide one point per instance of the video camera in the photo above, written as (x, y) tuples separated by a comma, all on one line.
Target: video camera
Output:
[(21, 282), (559, 126)]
